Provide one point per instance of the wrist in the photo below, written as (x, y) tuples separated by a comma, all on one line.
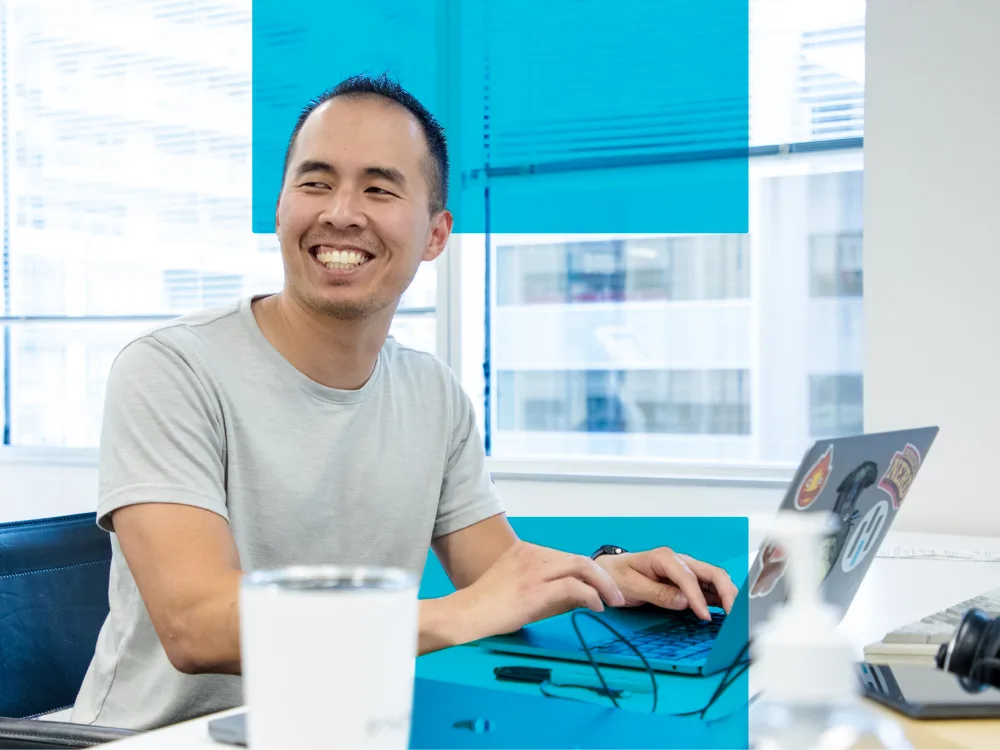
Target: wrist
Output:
[(607, 554), (607, 549)]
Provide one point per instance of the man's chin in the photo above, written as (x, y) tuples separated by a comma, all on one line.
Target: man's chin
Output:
[(347, 310)]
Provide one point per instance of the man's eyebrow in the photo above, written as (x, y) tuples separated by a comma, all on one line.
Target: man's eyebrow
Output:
[(313, 165), (391, 174)]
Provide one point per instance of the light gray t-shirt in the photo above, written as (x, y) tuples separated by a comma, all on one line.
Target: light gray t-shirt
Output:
[(205, 412)]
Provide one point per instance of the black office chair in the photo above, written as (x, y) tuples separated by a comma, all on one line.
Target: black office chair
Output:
[(53, 601)]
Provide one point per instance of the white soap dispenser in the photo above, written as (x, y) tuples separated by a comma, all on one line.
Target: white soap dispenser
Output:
[(804, 665)]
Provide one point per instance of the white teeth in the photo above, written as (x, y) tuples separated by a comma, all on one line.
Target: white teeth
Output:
[(338, 258)]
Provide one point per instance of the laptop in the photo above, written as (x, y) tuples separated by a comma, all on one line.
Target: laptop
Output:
[(861, 481)]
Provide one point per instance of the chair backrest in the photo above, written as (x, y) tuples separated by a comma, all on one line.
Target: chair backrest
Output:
[(53, 602)]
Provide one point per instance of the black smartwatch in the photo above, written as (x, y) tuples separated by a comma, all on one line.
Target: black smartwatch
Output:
[(608, 549)]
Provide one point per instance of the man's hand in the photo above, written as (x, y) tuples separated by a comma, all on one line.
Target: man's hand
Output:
[(529, 583), (670, 580)]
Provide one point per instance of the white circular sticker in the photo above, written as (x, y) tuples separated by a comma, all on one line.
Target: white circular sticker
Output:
[(865, 536)]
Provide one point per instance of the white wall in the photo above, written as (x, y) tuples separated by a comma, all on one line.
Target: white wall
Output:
[(932, 248)]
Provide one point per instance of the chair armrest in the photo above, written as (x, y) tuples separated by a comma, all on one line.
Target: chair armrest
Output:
[(29, 734)]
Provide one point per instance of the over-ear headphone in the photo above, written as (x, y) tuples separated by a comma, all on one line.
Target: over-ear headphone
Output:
[(973, 653)]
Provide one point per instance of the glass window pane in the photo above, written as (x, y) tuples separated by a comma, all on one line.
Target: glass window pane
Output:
[(836, 405), (130, 191), (807, 62), (58, 375), (415, 331), (688, 347), (131, 177)]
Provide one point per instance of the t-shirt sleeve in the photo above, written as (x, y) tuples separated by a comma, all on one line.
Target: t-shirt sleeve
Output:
[(468, 494), (162, 440)]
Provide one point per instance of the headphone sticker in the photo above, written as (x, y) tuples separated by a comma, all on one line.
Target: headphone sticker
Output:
[(899, 476), (773, 562), (814, 481), (865, 536), (845, 509)]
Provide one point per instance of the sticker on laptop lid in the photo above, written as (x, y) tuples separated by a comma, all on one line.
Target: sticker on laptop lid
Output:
[(814, 481), (899, 476), (773, 562), (865, 536), (845, 510)]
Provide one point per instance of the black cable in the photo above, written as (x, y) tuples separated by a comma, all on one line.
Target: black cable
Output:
[(626, 641), (599, 691), (723, 685)]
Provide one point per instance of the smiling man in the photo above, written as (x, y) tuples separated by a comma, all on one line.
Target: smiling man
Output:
[(291, 429)]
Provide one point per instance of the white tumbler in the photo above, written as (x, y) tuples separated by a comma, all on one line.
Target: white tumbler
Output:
[(329, 656)]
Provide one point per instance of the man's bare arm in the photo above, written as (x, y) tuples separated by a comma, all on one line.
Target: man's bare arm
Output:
[(468, 553), (186, 566)]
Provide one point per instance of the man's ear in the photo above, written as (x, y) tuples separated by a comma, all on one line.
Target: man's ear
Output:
[(441, 226)]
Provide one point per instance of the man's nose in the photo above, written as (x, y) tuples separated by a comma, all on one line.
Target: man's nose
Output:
[(344, 211)]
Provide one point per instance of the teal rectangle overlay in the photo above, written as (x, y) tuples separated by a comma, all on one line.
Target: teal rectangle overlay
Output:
[(568, 116), (302, 48), (721, 541)]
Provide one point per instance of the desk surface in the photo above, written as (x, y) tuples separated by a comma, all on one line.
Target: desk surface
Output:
[(894, 592)]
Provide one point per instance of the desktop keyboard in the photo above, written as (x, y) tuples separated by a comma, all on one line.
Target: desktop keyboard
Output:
[(683, 638), (937, 628)]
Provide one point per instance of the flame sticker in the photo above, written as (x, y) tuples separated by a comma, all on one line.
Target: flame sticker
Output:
[(814, 481)]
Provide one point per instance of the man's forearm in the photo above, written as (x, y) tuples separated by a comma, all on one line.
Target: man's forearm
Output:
[(205, 638), (209, 641), (445, 622)]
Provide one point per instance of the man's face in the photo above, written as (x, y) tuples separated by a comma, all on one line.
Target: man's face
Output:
[(353, 218)]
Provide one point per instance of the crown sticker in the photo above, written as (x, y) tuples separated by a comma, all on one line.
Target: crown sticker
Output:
[(899, 476)]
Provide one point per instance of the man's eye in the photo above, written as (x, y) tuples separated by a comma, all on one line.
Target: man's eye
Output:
[(315, 184), (379, 191)]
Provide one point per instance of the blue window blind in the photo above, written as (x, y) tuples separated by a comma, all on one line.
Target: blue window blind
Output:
[(600, 116), (303, 47)]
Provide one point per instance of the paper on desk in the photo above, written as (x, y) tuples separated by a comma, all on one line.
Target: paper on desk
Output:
[(932, 553)]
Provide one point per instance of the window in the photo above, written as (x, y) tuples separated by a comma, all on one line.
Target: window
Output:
[(836, 405), (623, 270), (716, 347), (836, 264), (129, 195), (129, 201), (714, 402)]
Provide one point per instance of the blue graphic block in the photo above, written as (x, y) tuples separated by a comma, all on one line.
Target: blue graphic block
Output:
[(717, 540), (301, 48), (568, 116)]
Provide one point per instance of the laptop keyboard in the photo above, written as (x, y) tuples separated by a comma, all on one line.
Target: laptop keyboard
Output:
[(680, 639)]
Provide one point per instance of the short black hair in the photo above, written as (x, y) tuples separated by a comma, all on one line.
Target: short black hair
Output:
[(387, 88)]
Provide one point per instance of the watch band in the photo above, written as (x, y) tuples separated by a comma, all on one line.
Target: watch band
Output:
[(608, 549)]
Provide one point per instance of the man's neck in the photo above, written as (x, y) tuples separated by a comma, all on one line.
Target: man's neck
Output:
[(336, 353)]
